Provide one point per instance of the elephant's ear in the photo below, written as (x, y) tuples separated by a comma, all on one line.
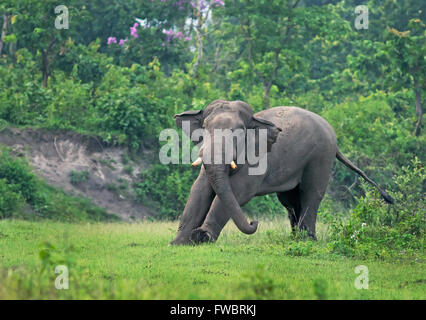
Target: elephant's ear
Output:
[(272, 131), (195, 121)]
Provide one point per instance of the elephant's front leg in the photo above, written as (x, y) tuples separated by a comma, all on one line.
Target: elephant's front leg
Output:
[(244, 188), (196, 208)]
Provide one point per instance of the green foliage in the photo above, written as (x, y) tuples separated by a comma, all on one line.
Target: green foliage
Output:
[(265, 206), (155, 185), (370, 133), (11, 202), (131, 103), (79, 177), (70, 105), (300, 248), (371, 125), (22, 97), (376, 229), (85, 62), (16, 173), (320, 289), (258, 284)]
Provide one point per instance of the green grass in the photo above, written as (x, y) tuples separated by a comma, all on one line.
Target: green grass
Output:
[(134, 261)]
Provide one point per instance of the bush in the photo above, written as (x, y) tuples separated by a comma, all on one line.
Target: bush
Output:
[(79, 177), (128, 106), (11, 203), (90, 65), (22, 96), (70, 105), (370, 133), (376, 229), (265, 206), (168, 186), (19, 178)]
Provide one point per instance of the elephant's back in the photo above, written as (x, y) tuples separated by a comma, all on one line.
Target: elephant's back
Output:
[(292, 118), (298, 122)]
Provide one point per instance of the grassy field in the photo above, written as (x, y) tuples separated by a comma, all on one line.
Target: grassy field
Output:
[(134, 261)]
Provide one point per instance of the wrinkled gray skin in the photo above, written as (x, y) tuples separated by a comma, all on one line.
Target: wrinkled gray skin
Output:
[(302, 148)]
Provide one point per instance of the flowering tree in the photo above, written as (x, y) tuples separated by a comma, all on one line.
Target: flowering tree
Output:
[(178, 34)]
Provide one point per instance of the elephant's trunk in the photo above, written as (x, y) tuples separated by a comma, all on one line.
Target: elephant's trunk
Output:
[(219, 180)]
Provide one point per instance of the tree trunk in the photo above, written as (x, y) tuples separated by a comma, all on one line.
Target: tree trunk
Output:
[(3, 32), (419, 111), (266, 96), (45, 68), (199, 33)]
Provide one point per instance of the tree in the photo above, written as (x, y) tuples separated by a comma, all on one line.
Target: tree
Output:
[(35, 30), (269, 36), (408, 65)]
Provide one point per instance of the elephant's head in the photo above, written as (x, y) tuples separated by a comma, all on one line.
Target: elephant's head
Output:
[(238, 117)]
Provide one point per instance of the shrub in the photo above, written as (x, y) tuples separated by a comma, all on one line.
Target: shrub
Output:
[(370, 133), (79, 177), (20, 180), (11, 203), (70, 105), (168, 186), (22, 96), (376, 229), (126, 109)]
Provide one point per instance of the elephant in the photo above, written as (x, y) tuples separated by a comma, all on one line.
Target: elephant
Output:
[(301, 148)]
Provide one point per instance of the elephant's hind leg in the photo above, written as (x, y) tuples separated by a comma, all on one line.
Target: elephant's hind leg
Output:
[(291, 201), (312, 189)]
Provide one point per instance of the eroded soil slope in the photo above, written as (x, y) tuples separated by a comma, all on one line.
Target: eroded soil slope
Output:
[(81, 165)]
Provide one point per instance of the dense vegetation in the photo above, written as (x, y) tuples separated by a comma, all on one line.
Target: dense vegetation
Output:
[(122, 70)]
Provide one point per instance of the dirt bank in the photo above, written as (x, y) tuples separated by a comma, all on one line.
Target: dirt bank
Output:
[(81, 165)]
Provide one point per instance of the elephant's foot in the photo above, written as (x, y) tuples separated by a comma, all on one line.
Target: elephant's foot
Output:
[(199, 236), (181, 241)]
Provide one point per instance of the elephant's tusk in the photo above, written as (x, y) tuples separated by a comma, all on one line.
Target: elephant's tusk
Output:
[(233, 165), (197, 162)]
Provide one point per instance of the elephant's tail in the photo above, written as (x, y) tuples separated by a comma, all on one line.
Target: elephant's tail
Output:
[(353, 167)]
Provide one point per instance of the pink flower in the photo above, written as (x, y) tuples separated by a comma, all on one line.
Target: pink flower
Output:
[(169, 33), (187, 38), (112, 40), (134, 32), (218, 3), (123, 41)]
